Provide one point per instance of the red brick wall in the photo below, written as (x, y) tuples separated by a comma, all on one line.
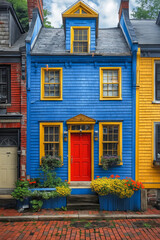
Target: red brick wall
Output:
[(18, 105), (15, 88)]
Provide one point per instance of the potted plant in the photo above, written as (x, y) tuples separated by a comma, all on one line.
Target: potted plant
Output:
[(21, 193), (118, 194), (110, 161)]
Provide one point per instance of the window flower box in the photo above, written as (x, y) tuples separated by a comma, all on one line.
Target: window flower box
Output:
[(118, 194), (114, 203), (51, 203)]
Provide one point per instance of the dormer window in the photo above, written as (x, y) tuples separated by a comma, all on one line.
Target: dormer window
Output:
[(80, 39)]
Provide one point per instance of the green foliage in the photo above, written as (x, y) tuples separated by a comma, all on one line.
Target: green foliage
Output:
[(34, 183), (50, 163), (21, 9), (48, 174), (36, 204), (147, 9), (110, 161), (46, 22), (21, 191)]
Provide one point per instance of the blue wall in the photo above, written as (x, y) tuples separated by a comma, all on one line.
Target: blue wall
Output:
[(73, 22), (81, 95)]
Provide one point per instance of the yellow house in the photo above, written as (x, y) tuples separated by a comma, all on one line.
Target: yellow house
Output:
[(148, 103)]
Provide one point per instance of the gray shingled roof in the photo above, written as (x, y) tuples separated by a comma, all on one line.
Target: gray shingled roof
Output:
[(110, 42), (147, 31), (15, 48)]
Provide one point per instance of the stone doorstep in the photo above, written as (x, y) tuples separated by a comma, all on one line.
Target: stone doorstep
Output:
[(80, 184), (6, 197)]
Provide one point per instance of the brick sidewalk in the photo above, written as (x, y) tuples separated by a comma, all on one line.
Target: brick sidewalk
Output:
[(82, 230), (13, 212)]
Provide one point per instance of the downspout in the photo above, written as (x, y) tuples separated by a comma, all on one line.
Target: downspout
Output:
[(28, 60), (134, 77), (137, 113)]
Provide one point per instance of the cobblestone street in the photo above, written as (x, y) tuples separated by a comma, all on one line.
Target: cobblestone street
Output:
[(83, 229)]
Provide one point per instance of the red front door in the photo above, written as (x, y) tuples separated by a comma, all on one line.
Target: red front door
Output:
[(80, 157)]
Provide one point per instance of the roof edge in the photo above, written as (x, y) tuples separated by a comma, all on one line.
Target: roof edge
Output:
[(129, 27), (31, 29)]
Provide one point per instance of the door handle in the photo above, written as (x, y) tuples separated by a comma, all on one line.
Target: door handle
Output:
[(71, 159)]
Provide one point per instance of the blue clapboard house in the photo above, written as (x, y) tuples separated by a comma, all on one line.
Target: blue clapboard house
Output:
[(81, 85)]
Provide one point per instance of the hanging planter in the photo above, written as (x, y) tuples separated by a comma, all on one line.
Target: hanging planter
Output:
[(110, 161)]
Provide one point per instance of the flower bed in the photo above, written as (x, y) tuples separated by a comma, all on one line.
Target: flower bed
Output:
[(52, 197), (48, 191), (118, 194)]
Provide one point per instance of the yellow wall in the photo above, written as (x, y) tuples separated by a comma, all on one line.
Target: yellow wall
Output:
[(147, 114)]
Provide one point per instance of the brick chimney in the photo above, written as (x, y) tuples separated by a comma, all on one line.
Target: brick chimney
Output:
[(35, 4), (123, 5)]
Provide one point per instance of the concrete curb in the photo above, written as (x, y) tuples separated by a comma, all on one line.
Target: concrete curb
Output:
[(76, 216)]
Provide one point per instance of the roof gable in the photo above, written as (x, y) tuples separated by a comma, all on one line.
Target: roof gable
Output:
[(80, 9), (81, 118)]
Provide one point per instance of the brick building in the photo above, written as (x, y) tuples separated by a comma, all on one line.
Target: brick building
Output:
[(12, 99)]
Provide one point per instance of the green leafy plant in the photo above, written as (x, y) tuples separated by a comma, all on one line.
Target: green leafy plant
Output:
[(21, 191), (61, 209), (50, 162), (147, 225), (36, 204), (34, 183), (110, 161), (48, 174), (45, 195)]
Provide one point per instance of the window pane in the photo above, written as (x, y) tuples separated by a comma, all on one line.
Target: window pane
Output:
[(157, 80), (3, 91), (57, 90), (4, 77), (46, 90), (46, 76), (158, 142), (110, 88), (51, 135), (80, 43), (53, 88), (110, 135)]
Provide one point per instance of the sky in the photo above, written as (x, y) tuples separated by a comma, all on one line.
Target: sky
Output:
[(107, 9)]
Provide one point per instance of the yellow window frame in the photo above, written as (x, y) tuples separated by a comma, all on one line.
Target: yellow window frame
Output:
[(119, 97), (101, 124), (154, 61), (42, 142), (72, 37), (43, 97)]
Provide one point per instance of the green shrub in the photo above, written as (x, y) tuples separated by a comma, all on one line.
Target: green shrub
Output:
[(21, 191)]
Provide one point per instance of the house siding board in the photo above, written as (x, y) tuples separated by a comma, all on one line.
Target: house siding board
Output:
[(81, 95), (70, 22), (148, 113)]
